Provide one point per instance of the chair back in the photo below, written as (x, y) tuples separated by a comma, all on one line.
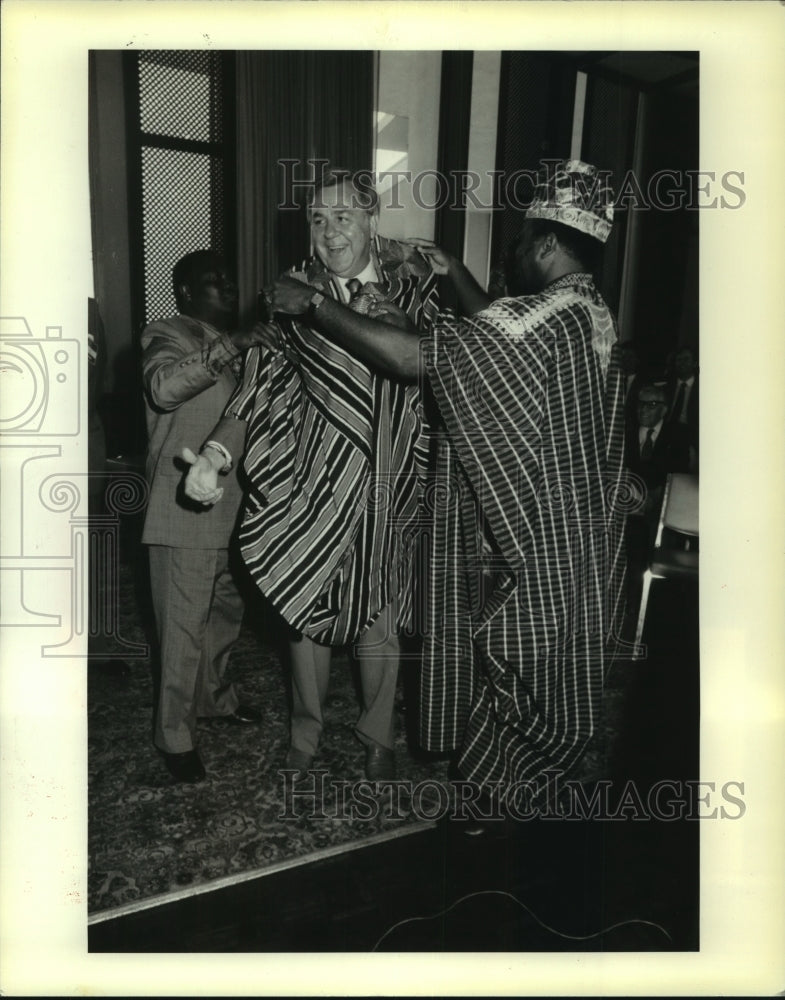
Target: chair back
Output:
[(679, 511)]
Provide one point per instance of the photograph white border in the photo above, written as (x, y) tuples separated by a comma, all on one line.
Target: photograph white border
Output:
[(46, 277)]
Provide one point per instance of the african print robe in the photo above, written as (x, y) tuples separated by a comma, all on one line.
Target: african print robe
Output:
[(527, 567), (335, 458)]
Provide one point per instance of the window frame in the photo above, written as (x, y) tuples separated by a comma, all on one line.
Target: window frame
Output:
[(222, 151)]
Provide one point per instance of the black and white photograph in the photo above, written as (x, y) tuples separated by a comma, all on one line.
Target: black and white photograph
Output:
[(330, 721), (378, 514)]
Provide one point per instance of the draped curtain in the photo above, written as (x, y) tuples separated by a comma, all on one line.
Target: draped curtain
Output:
[(292, 106)]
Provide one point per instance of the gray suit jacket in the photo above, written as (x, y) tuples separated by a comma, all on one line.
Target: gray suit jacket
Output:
[(189, 372)]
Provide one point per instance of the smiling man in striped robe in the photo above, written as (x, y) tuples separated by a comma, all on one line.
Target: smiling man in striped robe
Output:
[(335, 458), (527, 568)]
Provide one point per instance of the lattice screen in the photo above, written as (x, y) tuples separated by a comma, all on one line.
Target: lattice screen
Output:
[(182, 165)]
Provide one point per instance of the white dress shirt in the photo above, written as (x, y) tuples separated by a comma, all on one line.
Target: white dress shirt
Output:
[(368, 273)]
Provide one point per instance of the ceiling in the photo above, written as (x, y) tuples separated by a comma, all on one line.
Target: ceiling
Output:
[(676, 71)]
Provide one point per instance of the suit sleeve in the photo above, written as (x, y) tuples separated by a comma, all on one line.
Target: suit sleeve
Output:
[(172, 372), (242, 404)]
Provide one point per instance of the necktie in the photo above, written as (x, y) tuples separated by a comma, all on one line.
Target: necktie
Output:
[(678, 402), (648, 446), (353, 285)]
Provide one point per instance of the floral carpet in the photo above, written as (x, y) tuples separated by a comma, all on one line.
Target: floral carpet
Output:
[(149, 837)]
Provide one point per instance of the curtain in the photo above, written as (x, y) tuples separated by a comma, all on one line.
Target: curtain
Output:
[(292, 106)]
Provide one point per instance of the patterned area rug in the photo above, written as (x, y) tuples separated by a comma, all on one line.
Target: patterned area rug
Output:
[(149, 837)]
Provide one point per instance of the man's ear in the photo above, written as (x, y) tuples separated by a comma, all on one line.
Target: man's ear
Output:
[(374, 224), (548, 246), (184, 293)]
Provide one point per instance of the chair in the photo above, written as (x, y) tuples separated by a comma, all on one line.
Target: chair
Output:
[(675, 552)]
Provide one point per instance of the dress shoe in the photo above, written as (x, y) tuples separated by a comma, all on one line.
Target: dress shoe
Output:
[(485, 829), (185, 767), (298, 760), (244, 715), (379, 763)]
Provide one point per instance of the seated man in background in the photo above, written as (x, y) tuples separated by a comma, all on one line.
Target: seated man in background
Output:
[(190, 366), (336, 455), (654, 447)]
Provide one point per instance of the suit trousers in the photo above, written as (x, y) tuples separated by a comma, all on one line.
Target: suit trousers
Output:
[(198, 612), (378, 653)]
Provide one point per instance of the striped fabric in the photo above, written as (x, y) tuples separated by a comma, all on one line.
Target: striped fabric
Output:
[(526, 579), (336, 457)]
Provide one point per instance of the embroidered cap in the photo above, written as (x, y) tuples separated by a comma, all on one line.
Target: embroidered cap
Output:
[(575, 194)]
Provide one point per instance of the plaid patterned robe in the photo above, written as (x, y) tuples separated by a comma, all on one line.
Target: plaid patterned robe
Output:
[(527, 570), (336, 457)]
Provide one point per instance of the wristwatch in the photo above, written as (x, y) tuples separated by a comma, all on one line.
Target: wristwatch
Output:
[(315, 301)]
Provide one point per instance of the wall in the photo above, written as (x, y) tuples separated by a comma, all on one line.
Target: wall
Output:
[(482, 161), (409, 86)]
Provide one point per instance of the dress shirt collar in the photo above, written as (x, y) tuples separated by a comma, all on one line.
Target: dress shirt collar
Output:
[(368, 273), (644, 431)]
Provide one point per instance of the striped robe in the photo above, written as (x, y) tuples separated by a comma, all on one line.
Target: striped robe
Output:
[(335, 459), (526, 578)]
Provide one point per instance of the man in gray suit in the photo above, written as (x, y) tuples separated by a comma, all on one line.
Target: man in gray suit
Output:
[(191, 363)]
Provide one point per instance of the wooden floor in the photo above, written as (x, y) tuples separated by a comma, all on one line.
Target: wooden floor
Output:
[(628, 884), (550, 886)]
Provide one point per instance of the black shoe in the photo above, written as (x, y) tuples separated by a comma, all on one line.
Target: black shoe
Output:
[(485, 829), (185, 767), (244, 715), (379, 763)]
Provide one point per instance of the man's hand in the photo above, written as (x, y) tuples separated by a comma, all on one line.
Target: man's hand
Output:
[(471, 297), (201, 483), (388, 312), (261, 334), (439, 259), (291, 297)]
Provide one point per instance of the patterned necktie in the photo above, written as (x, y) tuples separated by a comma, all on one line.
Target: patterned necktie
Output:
[(354, 286), (647, 448), (678, 402)]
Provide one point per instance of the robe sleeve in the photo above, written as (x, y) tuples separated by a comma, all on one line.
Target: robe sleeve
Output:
[(489, 376)]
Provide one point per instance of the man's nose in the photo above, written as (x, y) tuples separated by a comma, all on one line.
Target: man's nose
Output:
[(330, 228)]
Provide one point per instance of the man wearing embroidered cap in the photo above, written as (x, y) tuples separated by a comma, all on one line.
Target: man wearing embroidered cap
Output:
[(527, 573)]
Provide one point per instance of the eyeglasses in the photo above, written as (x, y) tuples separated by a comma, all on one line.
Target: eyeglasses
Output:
[(647, 404)]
